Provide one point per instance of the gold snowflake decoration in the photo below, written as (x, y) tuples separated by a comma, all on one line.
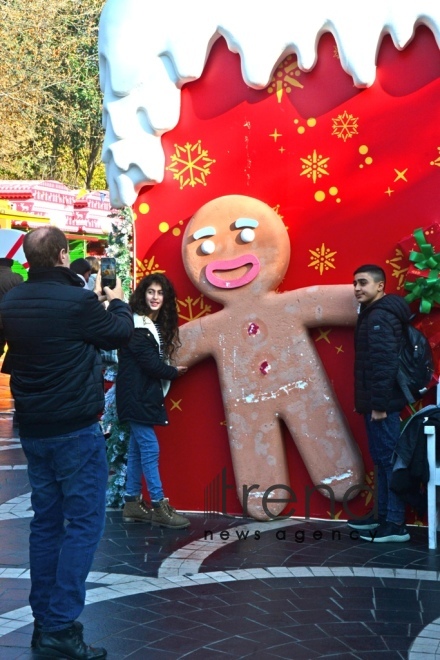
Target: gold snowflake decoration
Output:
[(190, 164), (322, 259), (399, 271), (323, 334), (345, 126), (277, 210), (285, 77), (418, 405), (190, 309), (369, 480), (437, 160), (314, 166), (334, 516), (146, 267)]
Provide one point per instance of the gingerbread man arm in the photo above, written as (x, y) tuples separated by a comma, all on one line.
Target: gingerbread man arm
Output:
[(195, 344), (332, 304)]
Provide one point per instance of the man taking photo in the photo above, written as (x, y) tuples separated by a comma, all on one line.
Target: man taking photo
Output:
[(54, 330)]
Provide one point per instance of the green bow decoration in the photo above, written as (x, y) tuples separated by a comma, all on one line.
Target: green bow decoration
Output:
[(427, 289)]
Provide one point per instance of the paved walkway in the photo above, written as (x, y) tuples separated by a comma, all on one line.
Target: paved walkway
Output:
[(290, 589)]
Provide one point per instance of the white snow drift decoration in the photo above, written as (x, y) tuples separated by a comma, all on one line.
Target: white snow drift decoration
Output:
[(149, 49)]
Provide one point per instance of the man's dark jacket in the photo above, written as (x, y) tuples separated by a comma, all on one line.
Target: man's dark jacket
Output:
[(139, 395), (411, 468), (8, 279), (378, 339), (54, 328)]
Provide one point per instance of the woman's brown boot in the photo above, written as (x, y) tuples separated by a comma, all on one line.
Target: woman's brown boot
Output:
[(135, 510), (165, 515)]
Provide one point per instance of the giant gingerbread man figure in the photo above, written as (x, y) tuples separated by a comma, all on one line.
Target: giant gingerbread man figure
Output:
[(236, 251)]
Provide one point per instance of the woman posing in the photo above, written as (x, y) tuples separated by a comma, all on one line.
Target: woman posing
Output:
[(141, 384)]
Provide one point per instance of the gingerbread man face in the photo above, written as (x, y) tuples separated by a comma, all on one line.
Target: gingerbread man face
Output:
[(235, 245)]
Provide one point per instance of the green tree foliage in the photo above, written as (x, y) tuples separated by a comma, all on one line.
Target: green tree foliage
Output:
[(120, 247), (50, 101)]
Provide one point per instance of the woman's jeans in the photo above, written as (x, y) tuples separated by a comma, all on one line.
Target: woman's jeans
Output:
[(143, 457), (68, 476), (382, 440)]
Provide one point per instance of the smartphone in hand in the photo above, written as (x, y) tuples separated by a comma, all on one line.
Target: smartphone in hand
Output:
[(108, 272)]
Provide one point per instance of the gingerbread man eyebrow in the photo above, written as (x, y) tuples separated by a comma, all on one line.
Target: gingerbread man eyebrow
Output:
[(204, 232), (246, 222)]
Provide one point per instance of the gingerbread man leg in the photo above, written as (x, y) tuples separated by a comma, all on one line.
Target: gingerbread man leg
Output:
[(323, 439), (259, 461)]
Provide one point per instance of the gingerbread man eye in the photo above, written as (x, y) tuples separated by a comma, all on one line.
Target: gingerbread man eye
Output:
[(247, 226), (247, 235), (207, 247)]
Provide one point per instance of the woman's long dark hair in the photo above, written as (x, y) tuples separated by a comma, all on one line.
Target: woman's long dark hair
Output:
[(167, 317)]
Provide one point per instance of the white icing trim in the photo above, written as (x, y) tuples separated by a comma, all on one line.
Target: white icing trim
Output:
[(148, 50)]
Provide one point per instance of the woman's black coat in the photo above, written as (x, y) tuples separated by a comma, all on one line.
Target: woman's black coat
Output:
[(139, 394)]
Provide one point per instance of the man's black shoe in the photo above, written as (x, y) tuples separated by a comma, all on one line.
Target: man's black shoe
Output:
[(38, 629), (372, 522), (67, 643), (388, 532)]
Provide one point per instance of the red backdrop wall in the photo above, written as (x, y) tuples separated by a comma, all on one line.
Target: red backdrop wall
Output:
[(350, 171)]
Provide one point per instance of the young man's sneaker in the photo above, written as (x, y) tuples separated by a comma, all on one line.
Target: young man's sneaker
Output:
[(364, 524), (388, 532)]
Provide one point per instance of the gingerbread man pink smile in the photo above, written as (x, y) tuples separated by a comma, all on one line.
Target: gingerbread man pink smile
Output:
[(227, 266), (236, 251)]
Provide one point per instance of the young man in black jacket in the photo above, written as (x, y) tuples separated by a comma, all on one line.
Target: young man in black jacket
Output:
[(54, 329), (378, 397)]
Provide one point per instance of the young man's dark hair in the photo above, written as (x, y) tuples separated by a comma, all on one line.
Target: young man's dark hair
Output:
[(376, 272), (42, 246), (81, 266)]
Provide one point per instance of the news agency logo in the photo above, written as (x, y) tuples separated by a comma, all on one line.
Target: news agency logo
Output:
[(215, 498)]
